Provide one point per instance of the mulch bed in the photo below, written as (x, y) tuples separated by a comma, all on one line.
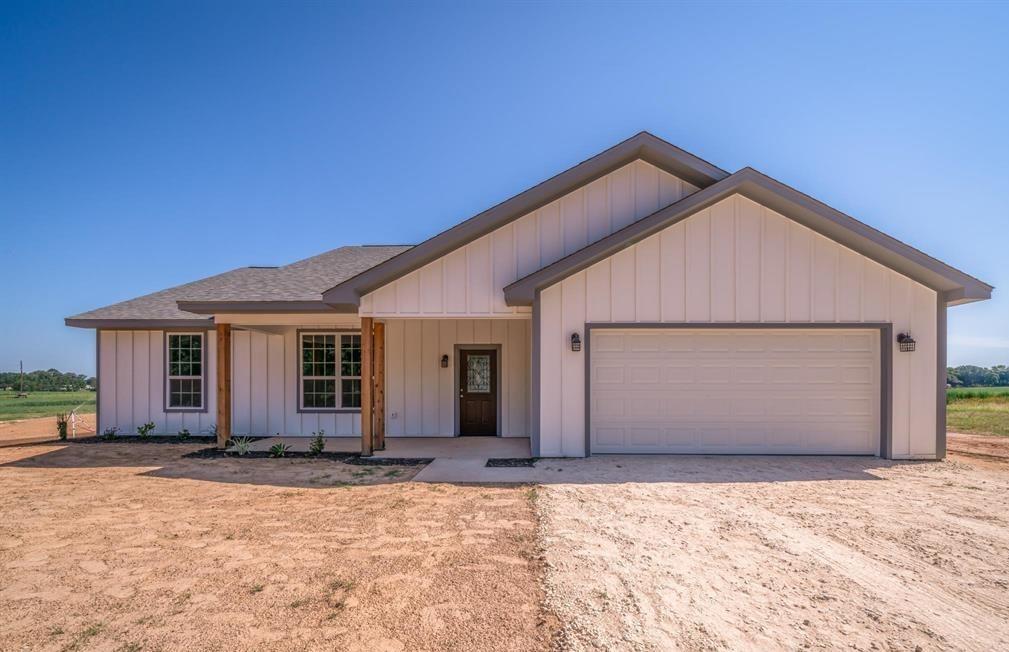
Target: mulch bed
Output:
[(512, 461), (346, 458), (152, 439)]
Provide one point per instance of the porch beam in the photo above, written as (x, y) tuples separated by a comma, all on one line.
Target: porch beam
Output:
[(367, 381), (378, 391), (223, 384)]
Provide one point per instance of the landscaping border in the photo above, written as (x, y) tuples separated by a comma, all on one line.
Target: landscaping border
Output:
[(347, 458), (512, 462)]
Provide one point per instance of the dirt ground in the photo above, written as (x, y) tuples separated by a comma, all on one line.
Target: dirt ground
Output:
[(995, 447), (40, 429), (778, 553), (130, 547)]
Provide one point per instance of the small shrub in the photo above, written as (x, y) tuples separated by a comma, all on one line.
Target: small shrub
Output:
[(110, 433), (183, 434), (145, 430), (240, 445), (279, 450), (62, 419), (318, 443)]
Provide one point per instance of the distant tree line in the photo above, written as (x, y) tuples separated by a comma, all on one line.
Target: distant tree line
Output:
[(50, 380), (970, 376)]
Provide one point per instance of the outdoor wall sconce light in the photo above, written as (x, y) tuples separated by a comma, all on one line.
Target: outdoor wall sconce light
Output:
[(444, 361), (905, 342), (576, 342)]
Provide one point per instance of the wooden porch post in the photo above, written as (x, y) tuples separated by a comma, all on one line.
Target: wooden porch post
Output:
[(367, 379), (378, 392), (223, 384)]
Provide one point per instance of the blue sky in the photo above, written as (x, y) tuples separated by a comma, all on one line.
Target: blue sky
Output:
[(143, 145)]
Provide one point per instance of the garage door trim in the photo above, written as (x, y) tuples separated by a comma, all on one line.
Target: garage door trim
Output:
[(885, 360)]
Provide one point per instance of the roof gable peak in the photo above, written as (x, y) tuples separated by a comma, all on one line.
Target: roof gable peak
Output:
[(641, 146)]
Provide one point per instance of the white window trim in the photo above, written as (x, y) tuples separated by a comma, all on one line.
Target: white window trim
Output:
[(202, 377), (338, 378)]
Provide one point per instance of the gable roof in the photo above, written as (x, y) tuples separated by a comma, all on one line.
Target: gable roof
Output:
[(295, 287), (955, 286), (644, 146)]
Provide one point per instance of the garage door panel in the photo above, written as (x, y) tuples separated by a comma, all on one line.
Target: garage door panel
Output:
[(709, 373), (864, 342), (611, 342), (735, 391), (857, 375), (608, 374), (708, 342), (644, 374), (675, 373), (645, 343), (751, 373), (783, 373), (754, 406)]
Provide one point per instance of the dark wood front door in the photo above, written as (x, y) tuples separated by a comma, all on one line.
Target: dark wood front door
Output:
[(478, 392)]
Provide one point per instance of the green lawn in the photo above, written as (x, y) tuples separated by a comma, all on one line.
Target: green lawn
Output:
[(980, 410), (44, 404), (961, 393)]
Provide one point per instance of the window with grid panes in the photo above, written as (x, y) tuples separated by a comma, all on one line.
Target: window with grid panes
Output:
[(330, 371), (184, 385)]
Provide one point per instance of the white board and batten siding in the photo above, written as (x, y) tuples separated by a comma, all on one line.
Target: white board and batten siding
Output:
[(737, 262), (420, 395), (469, 281), (131, 391)]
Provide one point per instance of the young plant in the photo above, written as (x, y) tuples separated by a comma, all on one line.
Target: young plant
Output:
[(183, 434), (240, 445), (318, 443), (145, 430), (279, 450), (110, 433), (62, 419)]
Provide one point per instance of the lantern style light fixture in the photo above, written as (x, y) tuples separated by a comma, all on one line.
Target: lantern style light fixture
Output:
[(444, 361), (905, 342), (576, 342)]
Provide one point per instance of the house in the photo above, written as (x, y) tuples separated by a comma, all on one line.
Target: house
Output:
[(643, 301)]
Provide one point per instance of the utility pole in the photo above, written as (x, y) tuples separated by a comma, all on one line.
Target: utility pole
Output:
[(21, 392)]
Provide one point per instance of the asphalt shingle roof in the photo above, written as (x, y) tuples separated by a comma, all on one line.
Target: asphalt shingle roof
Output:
[(304, 280)]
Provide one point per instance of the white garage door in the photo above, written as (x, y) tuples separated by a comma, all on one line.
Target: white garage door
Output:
[(778, 391)]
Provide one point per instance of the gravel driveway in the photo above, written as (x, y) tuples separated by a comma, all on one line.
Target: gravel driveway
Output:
[(777, 553)]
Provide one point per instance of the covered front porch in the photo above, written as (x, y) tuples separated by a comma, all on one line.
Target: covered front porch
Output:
[(402, 385)]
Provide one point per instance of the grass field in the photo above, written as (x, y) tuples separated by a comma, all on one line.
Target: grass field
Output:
[(978, 410), (44, 404), (961, 393)]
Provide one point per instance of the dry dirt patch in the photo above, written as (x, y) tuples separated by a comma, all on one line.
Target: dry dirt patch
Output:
[(778, 553), (40, 429), (120, 546)]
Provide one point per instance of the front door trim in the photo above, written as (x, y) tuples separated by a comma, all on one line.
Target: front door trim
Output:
[(885, 361), (459, 348)]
